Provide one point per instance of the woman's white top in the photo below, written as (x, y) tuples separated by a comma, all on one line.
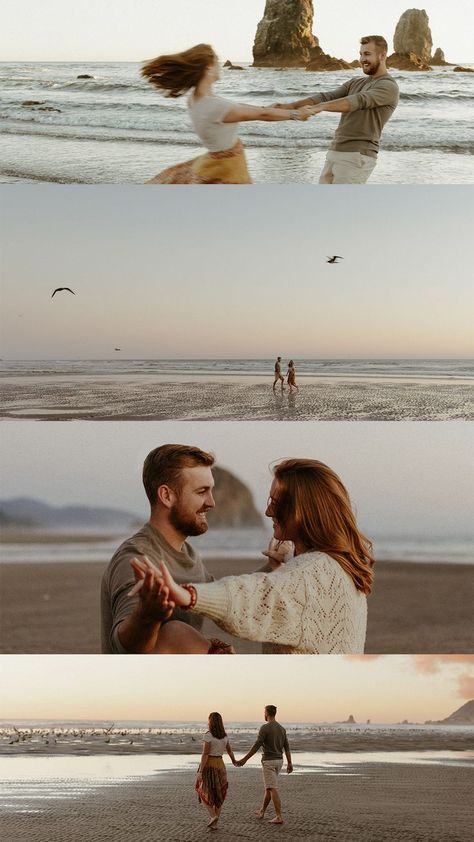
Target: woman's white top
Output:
[(217, 745), (309, 605), (207, 114)]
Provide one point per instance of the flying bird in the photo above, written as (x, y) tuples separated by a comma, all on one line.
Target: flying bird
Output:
[(62, 289), (334, 258), (117, 349)]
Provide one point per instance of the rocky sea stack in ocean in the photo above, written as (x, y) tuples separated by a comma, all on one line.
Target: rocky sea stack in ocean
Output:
[(284, 38), (413, 43), (235, 507)]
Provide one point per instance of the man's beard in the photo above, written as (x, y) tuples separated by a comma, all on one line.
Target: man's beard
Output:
[(186, 522), (372, 69)]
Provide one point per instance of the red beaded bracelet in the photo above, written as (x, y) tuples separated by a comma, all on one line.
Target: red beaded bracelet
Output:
[(193, 594)]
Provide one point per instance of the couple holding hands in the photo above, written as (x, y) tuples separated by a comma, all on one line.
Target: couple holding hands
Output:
[(211, 783), (365, 105), (309, 598)]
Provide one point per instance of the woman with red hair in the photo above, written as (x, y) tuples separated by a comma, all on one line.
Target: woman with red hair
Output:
[(214, 118)]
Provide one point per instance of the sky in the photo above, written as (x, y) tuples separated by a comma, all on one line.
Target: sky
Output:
[(315, 688), (132, 30), (219, 276), (404, 478)]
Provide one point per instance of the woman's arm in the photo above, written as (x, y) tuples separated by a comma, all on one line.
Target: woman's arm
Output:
[(246, 113), (206, 747), (229, 751)]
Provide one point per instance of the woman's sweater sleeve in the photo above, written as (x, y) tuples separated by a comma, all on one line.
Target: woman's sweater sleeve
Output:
[(260, 606)]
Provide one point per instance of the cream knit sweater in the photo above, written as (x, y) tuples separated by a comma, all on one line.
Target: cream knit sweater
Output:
[(308, 606)]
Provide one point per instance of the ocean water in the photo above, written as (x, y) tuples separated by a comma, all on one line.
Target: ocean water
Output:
[(247, 544), (406, 369), (116, 128)]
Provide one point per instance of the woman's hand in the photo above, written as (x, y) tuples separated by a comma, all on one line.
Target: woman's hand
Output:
[(279, 552), (155, 604), (145, 569)]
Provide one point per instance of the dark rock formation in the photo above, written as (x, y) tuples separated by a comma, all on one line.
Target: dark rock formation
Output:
[(413, 35), (28, 102), (407, 62), (229, 66), (462, 716), (322, 61), (49, 108), (284, 36), (463, 70), (84, 76), (438, 58), (234, 503)]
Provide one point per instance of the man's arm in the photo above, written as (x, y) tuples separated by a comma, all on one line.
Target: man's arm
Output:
[(257, 744), (289, 767), (316, 99), (138, 632)]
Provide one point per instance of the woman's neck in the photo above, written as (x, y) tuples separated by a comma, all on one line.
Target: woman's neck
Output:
[(203, 88)]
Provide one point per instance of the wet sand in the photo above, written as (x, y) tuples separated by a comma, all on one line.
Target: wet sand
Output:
[(385, 803), (193, 398), (415, 607)]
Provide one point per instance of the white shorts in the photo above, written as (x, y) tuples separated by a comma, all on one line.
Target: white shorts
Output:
[(347, 168), (270, 769)]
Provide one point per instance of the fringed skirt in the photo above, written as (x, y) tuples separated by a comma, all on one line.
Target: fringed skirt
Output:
[(227, 167), (212, 787)]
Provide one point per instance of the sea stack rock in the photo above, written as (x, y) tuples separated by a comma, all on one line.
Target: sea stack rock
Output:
[(235, 507), (412, 42), (284, 36), (438, 59), (413, 35)]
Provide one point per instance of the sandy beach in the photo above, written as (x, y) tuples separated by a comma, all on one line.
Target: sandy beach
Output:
[(415, 607), (374, 803), (233, 397)]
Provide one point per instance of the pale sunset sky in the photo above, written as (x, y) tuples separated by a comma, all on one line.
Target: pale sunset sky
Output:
[(97, 30), (219, 276), (387, 688)]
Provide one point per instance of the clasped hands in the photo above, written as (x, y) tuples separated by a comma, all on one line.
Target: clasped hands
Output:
[(157, 590), (303, 113)]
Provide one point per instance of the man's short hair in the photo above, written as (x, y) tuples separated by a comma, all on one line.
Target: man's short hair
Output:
[(378, 40), (271, 710), (163, 466)]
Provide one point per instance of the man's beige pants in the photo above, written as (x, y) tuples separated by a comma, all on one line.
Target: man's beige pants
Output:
[(347, 168)]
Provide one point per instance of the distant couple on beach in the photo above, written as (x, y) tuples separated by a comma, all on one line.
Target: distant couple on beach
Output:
[(364, 103), (310, 597), (211, 783), (290, 375)]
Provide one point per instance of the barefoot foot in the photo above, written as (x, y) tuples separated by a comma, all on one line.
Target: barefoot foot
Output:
[(276, 820)]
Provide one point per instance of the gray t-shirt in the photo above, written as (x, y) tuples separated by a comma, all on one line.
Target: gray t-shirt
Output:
[(372, 102), (118, 579), (272, 740)]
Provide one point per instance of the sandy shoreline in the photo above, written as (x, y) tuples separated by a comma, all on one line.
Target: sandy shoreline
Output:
[(415, 607), (384, 803), (187, 397)]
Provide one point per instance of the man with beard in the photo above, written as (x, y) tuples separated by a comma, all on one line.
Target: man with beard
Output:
[(365, 104), (178, 482)]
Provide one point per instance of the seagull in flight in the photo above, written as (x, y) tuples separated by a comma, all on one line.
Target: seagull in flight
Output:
[(62, 289), (117, 349), (334, 258)]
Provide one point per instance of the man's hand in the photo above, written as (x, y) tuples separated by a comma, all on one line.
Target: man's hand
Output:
[(240, 762), (155, 605), (289, 768)]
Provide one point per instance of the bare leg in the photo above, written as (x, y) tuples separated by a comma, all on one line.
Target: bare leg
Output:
[(266, 801), (275, 796)]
